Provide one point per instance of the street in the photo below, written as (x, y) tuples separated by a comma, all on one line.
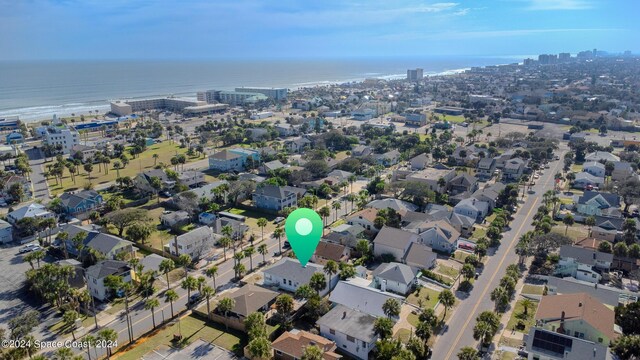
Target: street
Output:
[(458, 331)]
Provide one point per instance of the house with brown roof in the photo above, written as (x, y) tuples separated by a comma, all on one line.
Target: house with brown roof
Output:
[(248, 299), (364, 218), (290, 345), (578, 315), (330, 251)]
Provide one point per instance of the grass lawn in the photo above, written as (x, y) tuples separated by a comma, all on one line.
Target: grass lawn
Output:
[(532, 289), (165, 150), (576, 168), (574, 232), (252, 221), (518, 315), (460, 255), (429, 297), (403, 335), (192, 328), (447, 270), (479, 232), (338, 223), (506, 355), (413, 319), (452, 118), (60, 327)]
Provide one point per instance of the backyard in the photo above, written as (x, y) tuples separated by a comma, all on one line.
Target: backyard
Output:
[(519, 321), (428, 296)]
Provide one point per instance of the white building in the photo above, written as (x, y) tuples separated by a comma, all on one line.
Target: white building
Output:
[(196, 243), (34, 210), (97, 273), (273, 93), (60, 134), (351, 330), (287, 274), (6, 232)]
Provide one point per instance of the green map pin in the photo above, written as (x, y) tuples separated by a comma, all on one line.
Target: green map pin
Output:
[(304, 230)]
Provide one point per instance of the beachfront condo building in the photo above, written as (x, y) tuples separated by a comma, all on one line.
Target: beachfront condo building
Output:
[(273, 93), (415, 74), (127, 107), (58, 133)]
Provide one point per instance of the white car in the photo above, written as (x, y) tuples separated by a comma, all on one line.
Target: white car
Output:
[(29, 248)]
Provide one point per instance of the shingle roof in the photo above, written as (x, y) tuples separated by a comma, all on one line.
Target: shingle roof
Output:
[(290, 268), (107, 267), (74, 199), (31, 210), (612, 200), (356, 294), (225, 155), (279, 192), (105, 243), (420, 255), (578, 306), (330, 251), (250, 298), (350, 322), (584, 256), (369, 214), (393, 237), (395, 272), (293, 343), (395, 204), (196, 235)]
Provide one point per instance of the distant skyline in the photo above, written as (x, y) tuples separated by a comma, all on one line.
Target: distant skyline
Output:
[(246, 29)]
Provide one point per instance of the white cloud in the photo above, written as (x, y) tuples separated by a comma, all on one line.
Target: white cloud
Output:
[(559, 5)]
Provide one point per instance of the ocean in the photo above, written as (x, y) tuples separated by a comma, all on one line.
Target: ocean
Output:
[(36, 90)]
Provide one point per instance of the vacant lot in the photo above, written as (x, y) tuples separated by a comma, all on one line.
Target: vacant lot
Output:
[(428, 296)]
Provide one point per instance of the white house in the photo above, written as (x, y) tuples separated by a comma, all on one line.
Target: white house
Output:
[(472, 208), (594, 168), (395, 277), (351, 330), (97, 273), (35, 210), (359, 294), (6, 232), (364, 218), (196, 243), (393, 241), (287, 274)]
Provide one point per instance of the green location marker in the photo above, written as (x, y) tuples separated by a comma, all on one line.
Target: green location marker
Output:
[(304, 230)]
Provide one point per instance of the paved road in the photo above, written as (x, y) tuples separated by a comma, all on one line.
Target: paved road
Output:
[(40, 186), (459, 329)]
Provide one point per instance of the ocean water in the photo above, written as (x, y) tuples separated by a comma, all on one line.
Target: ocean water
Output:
[(38, 89)]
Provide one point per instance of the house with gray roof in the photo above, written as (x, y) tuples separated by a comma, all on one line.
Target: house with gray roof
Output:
[(594, 168), (622, 170), (485, 168), (80, 202), (395, 277), (360, 294), (393, 241), (276, 198), (601, 156), (287, 274), (596, 203), (226, 160), (106, 244), (420, 162), (395, 204), (6, 232), (350, 329), (98, 272), (489, 194), (34, 210), (420, 256), (175, 219), (195, 243), (267, 167), (151, 263), (584, 179)]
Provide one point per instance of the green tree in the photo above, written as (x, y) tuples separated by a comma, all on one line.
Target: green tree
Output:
[(383, 327), (468, 271), (69, 319), (447, 299), (166, 266), (150, 305), (259, 348), (284, 306), (225, 242), (568, 221), (330, 268), (224, 307), (312, 352), (212, 272), (391, 308), (278, 233), (208, 292), (139, 232), (627, 347), (468, 353), (171, 296), (184, 260), (249, 252), (318, 282), (109, 336), (190, 284), (263, 250), (262, 223), (255, 325)]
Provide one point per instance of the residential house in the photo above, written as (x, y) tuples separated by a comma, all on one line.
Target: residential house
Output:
[(98, 272), (326, 251), (291, 344), (395, 277), (345, 234), (594, 168), (206, 218), (565, 321), (143, 180), (359, 294), (80, 202), (233, 159), (106, 244), (6, 232), (583, 264), (389, 203), (439, 235), (393, 241), (152, 263), (268, 167), (239, 228), (420, 162), (361, 151), (463, 183), (10, 180), (287, 274), (175, 219), (351, 330), (364, 218), (86, 152), (431, 176), (34, 210), (285, 130), (297, 145), (472, 208), (195, 243), (248, 299), (501, 160), (420, 256), (513, 169), (489, 194), (191, 178), (389, 158), (601, 156), (276, 198), (622, 171), (485, 168), (206, 191), (415, 119), (607, 295), (585, 180), (595, 203), (466, 155)]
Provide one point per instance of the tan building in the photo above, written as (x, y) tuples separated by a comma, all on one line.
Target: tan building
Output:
[(291, 344)]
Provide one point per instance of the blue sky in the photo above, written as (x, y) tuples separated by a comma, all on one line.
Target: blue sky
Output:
[(202, 29)]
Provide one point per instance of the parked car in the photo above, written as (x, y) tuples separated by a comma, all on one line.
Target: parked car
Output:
[(278, 220), (195, 298), (286, 245), (29, 248)]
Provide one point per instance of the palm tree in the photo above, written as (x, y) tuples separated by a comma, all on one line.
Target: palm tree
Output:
[(69, 319), (171, 296), (151, 304), (208, 292), (330, 268), (225, 242), (279, 233), (423, 331), (590, 222), (262, 222), (262, 249), (117, 165), (468, 353), (90, 340), (324, 212), (352, 179), (526, 304), (259, 348), (248, 252), (189, 283), (239, 269), (224, 306), (568, 221), (336, 206), (155, 159), (166, 266), (108, 336), (62, 238), (212, 272), (483, 332), (447, 300)]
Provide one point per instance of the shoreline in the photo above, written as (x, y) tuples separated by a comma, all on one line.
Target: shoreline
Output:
[(45, 112)]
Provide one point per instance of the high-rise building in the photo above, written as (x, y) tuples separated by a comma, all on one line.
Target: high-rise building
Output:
[(59, 133), (528, 62), (126, 107), (564, 57), (415, 74), (544, 59)]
